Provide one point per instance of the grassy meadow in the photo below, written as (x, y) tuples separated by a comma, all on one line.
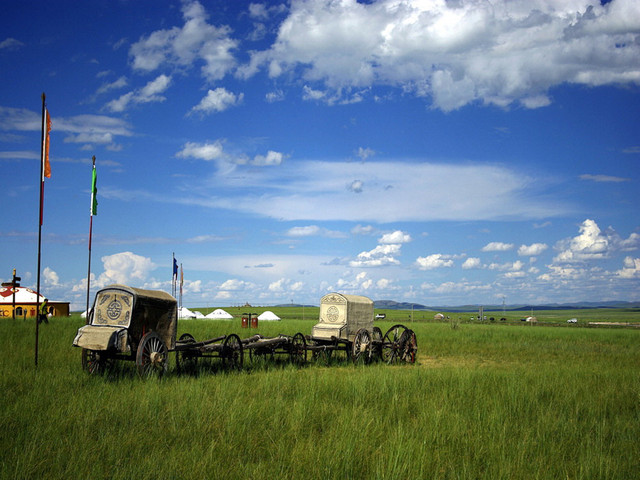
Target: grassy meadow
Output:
[(483, 401)]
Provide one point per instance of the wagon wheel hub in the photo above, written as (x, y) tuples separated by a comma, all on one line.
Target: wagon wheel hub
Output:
[(156, 358)]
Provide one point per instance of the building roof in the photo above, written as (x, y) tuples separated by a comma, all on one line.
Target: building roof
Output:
[(23, 295)]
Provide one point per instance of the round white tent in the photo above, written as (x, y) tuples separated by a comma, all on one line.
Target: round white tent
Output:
[(219, 314), (184, 312), (268, 316)]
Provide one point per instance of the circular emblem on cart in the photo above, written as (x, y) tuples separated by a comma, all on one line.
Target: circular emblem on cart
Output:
[(332, 314), (114, 309)]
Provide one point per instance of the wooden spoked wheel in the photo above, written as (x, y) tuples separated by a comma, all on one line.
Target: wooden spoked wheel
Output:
[(376, 343), (95, 362), (298, 349), (361, 347), (408, 347), (152, 356), (186, 360), (232, 353), (391, 344)]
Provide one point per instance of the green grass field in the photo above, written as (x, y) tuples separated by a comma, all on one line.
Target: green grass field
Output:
[(486, 401), (556, 317)]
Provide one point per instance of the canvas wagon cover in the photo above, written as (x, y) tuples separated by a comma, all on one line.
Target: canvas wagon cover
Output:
[(138, 309), (343, 315)]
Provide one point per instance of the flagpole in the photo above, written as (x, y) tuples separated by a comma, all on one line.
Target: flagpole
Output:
[(89, 269), (42, 152), (173, 274), (90, 235), (181, 281)]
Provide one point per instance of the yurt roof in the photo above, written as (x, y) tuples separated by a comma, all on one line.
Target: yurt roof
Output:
[(23, 295), (219, 313), (268, 315), (184, 312)]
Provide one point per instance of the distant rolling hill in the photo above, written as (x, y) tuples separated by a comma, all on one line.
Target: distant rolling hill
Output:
[(393, 305)]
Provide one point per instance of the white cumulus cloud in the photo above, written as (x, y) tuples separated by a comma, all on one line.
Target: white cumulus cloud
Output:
[(497, 247), (395, 237), (590, 244), (456, 52), (195, 42), (379, 256), (271, 158), (232, 284), (217, 100), (51, 277), (202, 151), (471, 262), (437, 260), (630, 268), (532, 250), (125, 268), (151, 92)]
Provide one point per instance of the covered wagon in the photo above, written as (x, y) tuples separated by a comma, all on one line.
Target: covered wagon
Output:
[(128, 323), (346, 323), (342, 315)]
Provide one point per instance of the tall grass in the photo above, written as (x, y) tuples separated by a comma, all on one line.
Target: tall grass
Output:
[(481, 402)]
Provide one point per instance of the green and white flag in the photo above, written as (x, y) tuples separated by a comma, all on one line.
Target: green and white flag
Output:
[(94, 192)]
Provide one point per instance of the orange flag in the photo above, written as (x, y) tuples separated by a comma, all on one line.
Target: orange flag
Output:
[(47, 165)]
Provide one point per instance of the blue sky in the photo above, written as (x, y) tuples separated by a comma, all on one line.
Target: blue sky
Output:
[(437, 152)]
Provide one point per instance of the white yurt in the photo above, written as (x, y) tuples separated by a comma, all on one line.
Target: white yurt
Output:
[(219, 314), (268, 316), (184, 312), (198, 314)]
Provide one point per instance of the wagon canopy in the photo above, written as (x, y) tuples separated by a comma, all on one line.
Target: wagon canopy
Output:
[(342, 315), (140, 310)]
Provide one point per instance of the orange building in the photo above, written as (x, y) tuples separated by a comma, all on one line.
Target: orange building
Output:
[(24, 302)]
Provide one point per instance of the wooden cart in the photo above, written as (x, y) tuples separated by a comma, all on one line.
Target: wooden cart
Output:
[(139, 325), (132, 324), (346, 324)]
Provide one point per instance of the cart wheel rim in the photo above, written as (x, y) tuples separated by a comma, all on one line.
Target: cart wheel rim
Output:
[(96, 363), (152, 355), (232, 352), (298, 349), (391, 344), (361, 348)]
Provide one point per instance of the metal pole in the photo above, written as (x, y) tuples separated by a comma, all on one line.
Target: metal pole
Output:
[(90, 237), (89, 268), (41, 179), (13, 282)]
